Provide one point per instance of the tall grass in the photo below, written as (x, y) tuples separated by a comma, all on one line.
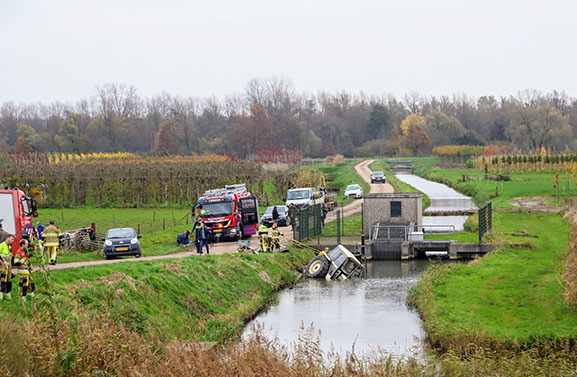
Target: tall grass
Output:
[(100, 346)]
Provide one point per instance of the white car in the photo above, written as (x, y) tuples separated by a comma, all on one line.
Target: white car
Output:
[(353, 191)]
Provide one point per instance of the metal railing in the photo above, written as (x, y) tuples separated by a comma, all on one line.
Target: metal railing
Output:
[(399, 232), (437, 229), (403, 232)]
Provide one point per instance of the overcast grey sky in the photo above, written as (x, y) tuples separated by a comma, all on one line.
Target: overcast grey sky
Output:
[(61, 49)]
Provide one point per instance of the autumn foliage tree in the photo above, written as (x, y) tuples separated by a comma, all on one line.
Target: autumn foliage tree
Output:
[(414, 137), (255, 131), (165, 143), (22, 146)]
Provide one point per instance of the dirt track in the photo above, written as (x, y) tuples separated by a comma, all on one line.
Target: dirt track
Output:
[(363, 169)]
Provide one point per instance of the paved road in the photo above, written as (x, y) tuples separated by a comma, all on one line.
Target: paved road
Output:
[(363, 169)]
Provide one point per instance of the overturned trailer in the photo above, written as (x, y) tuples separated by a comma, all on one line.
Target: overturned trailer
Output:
[(338, 263)]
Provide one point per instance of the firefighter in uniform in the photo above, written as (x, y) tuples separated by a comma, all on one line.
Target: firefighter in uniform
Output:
[(6, 267), (264, 240), (275, 238), (24, 270), (3, 233), (51, 241)]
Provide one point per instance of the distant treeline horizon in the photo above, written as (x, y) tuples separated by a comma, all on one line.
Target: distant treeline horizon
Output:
[(271, 115)]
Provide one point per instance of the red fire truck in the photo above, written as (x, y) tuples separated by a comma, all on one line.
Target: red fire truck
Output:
[(231, 212), (17, 210)]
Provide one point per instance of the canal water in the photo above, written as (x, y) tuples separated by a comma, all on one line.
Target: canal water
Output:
[(362, 314), (443, 198)]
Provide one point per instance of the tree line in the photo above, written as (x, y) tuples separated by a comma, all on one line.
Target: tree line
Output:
[(271, 115)]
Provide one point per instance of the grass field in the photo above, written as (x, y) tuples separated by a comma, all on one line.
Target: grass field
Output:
[(159, 227), (472, 182)]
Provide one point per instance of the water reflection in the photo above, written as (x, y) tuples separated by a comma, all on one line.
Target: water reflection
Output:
[(365, 313), (443, 198)]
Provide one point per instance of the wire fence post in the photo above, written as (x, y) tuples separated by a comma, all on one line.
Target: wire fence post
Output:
[(338, 226)]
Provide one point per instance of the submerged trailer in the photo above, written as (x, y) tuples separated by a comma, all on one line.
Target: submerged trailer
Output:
[(338, 263)]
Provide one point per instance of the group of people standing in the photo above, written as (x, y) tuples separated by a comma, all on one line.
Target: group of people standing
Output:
[(201, 233), (19, 260)]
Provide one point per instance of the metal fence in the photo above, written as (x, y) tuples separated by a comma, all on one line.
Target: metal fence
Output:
[(307, 222), (485, 220)]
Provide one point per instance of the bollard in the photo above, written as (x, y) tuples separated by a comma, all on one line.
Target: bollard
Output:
[(163, 224), (363, 256)]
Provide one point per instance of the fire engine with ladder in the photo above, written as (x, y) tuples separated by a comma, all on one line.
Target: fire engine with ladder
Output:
[(231, 212)]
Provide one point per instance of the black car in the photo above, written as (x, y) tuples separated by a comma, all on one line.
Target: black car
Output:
[(283, 217), (121, 241), (378, 176)]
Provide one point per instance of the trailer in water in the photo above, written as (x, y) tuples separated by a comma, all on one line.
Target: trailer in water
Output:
[(338, 263)]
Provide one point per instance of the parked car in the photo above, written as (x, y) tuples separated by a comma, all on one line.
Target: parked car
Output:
[(120, 242), (353, 191), (378, 176), (283, 219), (304, 197)]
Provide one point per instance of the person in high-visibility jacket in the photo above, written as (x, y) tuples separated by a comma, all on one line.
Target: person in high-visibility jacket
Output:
[(6, 267), (264, 239), (275, 238), (24, 270), (51, 236)]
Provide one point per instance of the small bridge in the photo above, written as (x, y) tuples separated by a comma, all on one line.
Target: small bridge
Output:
[(402, 166)]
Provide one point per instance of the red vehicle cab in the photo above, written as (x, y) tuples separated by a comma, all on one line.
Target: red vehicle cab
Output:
[(231, 212), (17, 210)]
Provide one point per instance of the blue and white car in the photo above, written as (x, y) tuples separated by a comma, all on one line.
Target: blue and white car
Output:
[(353, 191)]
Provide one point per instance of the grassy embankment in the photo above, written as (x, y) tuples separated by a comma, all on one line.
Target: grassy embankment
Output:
[(190, 299), (512, 299)]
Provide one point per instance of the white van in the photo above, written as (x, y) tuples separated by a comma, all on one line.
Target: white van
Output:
[(303, 197)]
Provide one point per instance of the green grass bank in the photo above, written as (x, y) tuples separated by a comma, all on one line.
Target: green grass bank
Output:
[(511, 296), (499, 189), (206, 298)]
